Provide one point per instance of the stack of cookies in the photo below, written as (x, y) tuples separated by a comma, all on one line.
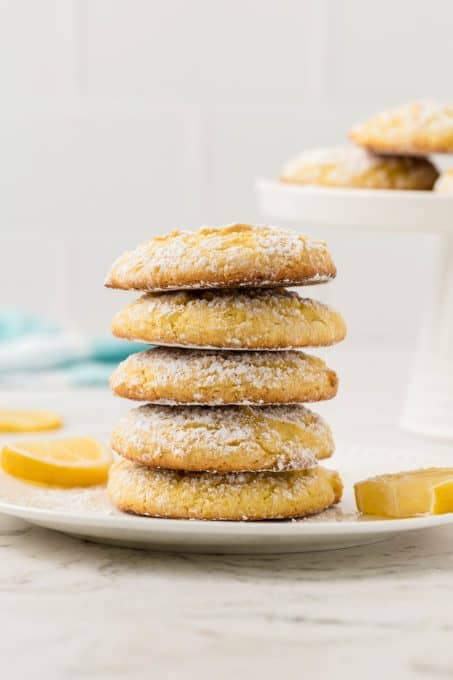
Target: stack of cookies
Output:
[(224, 434), (391, 153)]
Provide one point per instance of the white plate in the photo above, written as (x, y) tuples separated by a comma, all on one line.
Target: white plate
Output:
[(412, 211), (87, 513)]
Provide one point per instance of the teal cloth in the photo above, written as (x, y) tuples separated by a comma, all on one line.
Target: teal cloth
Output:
[(108, 349), (37, 352), (14, 324)]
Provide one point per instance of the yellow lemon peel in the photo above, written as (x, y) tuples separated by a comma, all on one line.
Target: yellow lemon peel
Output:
[(75, 461), (407, 494), (21, 420)]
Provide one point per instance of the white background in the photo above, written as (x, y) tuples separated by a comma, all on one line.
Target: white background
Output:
[(120, 119)]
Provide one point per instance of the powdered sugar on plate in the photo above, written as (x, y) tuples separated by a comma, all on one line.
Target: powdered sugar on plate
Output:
[(91, 500)]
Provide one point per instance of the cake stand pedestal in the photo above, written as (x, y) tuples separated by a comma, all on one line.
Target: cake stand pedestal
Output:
[(429, 403)]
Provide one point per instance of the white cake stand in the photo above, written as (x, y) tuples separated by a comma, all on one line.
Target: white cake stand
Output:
[(429, 404)]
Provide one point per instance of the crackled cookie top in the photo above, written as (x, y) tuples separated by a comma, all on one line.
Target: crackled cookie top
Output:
[(422, 127), (245, 496), (213, 377), (224, 438), (230, 319), (352, 166), (232, 256)]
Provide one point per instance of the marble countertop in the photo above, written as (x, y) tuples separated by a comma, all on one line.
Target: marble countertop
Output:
[(71, 609)]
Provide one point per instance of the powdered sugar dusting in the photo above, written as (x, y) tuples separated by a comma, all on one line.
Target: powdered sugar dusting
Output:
[(81, 500), (223, 496), (232, 318), (165, 368), (347, 166), (221, 432), (412, 118), (348, 161), (218, 481), (233, 250), (252, 302), (419, 114)]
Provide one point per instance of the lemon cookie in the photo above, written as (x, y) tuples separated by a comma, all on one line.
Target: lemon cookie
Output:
[(351, 166), (231, 256), (230, 319), (417, 128), (444, 184), (223, 438), (184, 376), (203, 495)]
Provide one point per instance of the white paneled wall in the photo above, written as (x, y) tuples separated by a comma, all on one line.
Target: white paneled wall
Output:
[(122, 118)]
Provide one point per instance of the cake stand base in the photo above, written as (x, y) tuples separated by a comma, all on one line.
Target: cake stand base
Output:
[(429, 404)]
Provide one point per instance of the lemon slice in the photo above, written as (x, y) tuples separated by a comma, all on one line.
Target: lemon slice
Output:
[(407, 494), (28, 421), (77, 461)]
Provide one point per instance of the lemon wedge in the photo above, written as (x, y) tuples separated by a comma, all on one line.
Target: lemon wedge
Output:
[(77, 461), (407, 494), (28, 421)]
